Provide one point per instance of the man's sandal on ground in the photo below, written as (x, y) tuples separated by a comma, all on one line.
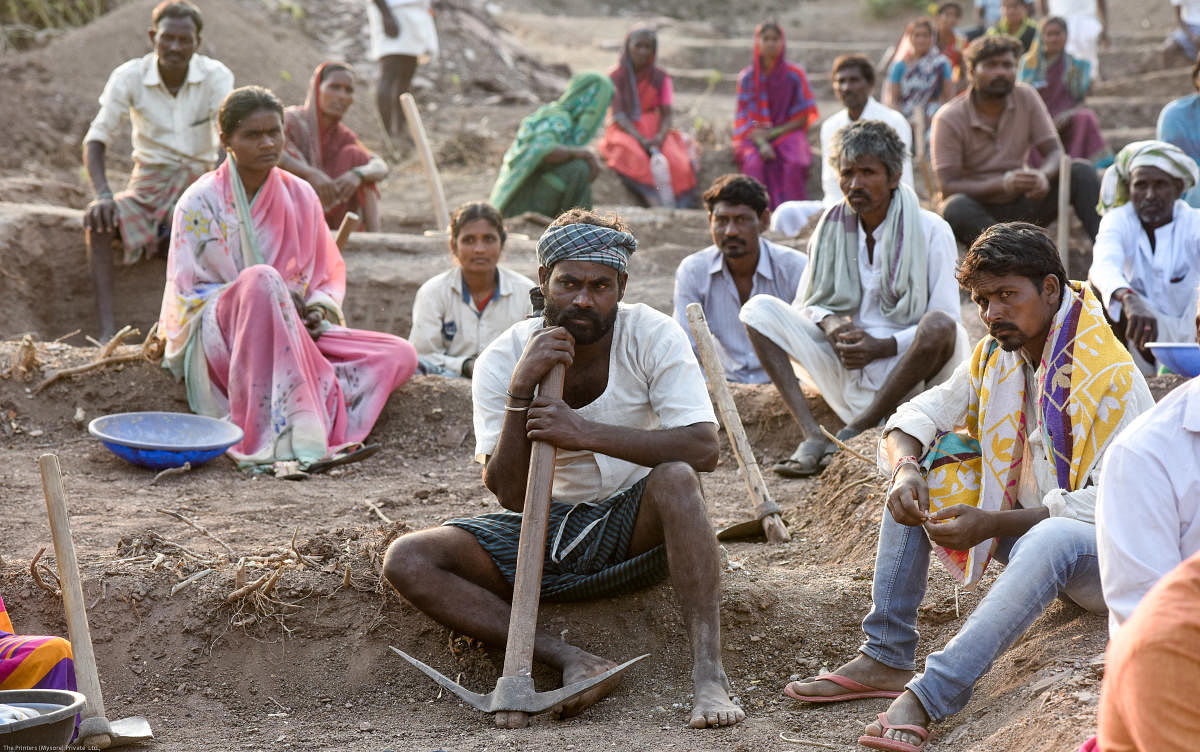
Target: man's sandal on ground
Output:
[(854, 690), (894, 745), (810, 458)]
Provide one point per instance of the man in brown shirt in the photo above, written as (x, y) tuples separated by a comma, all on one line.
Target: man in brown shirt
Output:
[(979, 145)]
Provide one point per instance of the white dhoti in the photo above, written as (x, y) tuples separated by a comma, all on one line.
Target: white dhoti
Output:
[(417, 37)]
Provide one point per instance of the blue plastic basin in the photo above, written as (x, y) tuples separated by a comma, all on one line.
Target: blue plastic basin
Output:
[(159, 440), (1182, 358)]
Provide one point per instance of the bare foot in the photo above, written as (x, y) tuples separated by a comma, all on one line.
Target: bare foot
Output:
[(863, 670), (905, 710), (511, 719), (712, 706), (587, 665)]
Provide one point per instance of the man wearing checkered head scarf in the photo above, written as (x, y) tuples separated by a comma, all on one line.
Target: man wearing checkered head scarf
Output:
[(633, 429)]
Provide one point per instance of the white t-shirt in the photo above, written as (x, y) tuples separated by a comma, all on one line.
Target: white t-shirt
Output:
[(1190, 10), (654, 382)]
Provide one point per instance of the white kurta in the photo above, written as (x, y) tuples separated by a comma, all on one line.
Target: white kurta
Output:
[(1166, 277), (874, 110), (1148, 511)]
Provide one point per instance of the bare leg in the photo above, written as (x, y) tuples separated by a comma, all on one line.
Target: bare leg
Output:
[(930, 349), (778, 366), (370, 211), (673, 512), (99, 247), (395, 76)]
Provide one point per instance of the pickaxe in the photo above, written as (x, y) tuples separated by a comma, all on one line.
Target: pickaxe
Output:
[(514, 692)]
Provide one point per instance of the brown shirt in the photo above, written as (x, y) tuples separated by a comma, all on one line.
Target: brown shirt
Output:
[(963, 144)]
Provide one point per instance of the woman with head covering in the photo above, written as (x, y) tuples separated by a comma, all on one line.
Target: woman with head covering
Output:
[(774, 109), (549, 169), (459, 312), (252, 310), (326, 153), (921, 79), (1063, 81), (641, 124)]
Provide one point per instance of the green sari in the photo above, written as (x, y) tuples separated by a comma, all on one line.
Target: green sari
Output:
[(524, 184)]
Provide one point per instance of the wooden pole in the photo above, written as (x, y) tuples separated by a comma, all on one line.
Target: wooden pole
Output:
[(527, 585), (417, 128), (86, 675), (765, 509), (1064, 211), (349, 224)]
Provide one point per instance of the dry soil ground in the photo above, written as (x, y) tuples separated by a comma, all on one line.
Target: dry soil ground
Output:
[(308, 668)]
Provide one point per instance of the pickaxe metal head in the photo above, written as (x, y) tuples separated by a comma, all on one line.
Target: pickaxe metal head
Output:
[(517, 692)]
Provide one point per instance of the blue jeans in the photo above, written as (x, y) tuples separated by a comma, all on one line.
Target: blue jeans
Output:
[(1055, 557)]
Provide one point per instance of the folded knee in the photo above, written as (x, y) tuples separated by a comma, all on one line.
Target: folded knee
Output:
[(936, 330), (407, 558), (674, 483)]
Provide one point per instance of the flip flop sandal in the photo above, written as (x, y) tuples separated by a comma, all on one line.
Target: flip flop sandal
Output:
[(358, 454), (895, 745), (855, 690), (810, 458)]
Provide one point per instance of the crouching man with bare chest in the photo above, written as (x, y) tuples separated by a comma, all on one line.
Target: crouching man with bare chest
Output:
[(633, 429)]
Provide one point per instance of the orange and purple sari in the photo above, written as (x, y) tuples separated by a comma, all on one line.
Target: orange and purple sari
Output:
[(33, 662)]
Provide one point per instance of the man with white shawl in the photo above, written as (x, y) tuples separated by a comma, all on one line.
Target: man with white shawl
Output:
[(875, 317), (1041, 399), (1146, 261)]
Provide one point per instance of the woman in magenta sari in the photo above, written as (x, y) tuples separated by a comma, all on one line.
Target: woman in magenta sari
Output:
[(326, 153), (1063, 81), (252, 308), (774, 109), (641, 124)]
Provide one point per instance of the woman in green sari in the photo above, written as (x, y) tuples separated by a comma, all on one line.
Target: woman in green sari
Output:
[(549, 169)]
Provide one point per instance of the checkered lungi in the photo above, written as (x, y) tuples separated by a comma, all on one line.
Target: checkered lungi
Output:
[(146, 204)]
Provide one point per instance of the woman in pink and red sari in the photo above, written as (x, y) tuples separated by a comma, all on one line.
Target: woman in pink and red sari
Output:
[(641, 124), (252, 311), (774, 109)]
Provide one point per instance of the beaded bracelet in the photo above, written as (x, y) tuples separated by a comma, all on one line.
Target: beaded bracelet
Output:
[(909, 460)]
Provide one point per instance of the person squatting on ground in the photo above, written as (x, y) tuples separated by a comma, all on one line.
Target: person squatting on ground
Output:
[(1042, 397), (641, 124), (739, 264), (325, 152), (632, 430), (252, 309), (979, 145), (401, 31), (171, 96), (876, 314), (459, 312), (922, 78), (33, 661), (1146, 260)]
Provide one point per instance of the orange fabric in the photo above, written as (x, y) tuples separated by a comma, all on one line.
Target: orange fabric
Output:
[(624, 154), (1153, 674)]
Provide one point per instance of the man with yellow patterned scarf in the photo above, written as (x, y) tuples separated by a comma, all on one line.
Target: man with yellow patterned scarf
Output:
[(1035, 407)]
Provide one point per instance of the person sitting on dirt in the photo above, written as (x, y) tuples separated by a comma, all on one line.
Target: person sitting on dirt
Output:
[(634, 427), (1041, 398), (459, 312), (1184, 42), (171, 96), (549, 169), (1015, 22), (740, 263), (876, 313), (252, 310), (853, 81), (1179, 124), (979, 145), (401, 32), (326, 153), (921, 79), (1086, 25), (1062, 81), (1145, 264), (33, 662), (641, 125)]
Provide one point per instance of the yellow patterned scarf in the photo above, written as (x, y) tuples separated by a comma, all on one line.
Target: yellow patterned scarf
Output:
[(1085, 376)]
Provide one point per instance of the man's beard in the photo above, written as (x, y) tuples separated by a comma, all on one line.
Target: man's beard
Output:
[(1010, 339), (584, 334)]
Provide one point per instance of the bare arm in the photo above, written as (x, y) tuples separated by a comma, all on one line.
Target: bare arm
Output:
[(788, 127), (664, 124), (374, 170), (624, 123), (101, 213), (891, 94), (988, 190), (95, 152)]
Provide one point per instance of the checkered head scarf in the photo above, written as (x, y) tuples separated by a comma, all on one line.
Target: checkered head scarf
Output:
[(584, 242)]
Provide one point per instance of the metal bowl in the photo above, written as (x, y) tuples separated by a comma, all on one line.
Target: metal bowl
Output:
[(54, 725), (1182, 358), (159, 440)]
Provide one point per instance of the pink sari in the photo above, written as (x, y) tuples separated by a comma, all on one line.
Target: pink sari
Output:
[(234, 335)]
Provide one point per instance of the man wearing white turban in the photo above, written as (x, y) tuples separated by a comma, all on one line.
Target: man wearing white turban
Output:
[(1146, 260)]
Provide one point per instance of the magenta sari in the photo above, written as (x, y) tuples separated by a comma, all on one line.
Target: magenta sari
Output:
[(233, 332)]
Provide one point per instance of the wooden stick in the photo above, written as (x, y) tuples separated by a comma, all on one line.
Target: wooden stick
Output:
[(86, 675), (196, 526), (535, 517), (349, 224), (920, 158), (846, 447), (1064, 210), (93, 366), (417, 128), (765, 508)]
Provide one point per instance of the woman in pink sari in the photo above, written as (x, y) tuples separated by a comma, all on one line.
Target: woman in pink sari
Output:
[(252, 308), (774, 109), (323, 151), (641, 124)]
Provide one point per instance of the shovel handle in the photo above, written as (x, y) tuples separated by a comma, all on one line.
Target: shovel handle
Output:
[(86, 675), (349, 224)]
